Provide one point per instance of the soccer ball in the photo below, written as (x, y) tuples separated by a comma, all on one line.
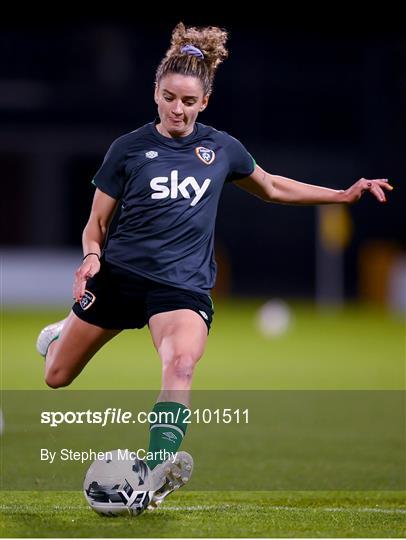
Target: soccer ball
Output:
[(118, 484), (274, 318)]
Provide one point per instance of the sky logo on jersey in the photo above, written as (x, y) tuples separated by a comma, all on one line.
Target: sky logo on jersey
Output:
[(205, 154), (162, 191)]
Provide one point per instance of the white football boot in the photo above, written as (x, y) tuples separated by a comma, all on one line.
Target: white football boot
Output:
[(48, 335), (170, 476)]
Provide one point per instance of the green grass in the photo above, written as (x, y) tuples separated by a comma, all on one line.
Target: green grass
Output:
[(355, 348), (352, 349), (211, 514)]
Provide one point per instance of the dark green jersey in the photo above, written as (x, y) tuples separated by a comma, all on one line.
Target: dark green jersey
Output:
[(169, 190)]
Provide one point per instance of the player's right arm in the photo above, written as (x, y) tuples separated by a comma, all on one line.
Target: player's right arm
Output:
[(93, 238)]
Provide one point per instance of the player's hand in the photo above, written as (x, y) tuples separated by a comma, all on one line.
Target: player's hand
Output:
[(89, 267), (376, 187)]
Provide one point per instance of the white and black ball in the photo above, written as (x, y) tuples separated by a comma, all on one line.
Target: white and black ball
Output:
[(119, 483)]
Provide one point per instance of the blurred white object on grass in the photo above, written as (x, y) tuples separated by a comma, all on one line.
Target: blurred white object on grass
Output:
[(274, 318)]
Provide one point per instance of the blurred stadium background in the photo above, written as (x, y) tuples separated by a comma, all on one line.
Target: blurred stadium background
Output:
[(311, 105)]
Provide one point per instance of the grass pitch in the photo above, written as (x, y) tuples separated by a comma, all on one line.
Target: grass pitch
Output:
[(211, 514), (353, 349)]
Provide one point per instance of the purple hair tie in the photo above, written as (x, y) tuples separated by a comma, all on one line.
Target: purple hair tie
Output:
[(192, 50)]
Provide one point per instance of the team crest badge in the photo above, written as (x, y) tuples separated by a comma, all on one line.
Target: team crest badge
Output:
[(87, 300), (205, 155)]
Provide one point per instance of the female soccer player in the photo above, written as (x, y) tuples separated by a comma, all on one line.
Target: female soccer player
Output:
[(158, 267)]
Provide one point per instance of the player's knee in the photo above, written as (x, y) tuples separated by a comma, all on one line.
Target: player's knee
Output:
[(57, 378), (181, 365)]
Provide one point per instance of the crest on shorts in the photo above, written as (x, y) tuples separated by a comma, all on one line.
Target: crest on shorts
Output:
[(205, 154), (87, 300)]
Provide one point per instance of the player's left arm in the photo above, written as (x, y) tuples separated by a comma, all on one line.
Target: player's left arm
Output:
[(278, 189)]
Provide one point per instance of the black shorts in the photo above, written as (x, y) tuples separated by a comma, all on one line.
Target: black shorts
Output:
[(118, 299)]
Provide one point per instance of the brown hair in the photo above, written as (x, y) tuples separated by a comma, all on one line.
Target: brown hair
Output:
[(211, 42)]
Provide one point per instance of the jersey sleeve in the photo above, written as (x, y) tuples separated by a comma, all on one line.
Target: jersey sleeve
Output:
[(242, 164), (110, 178)]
